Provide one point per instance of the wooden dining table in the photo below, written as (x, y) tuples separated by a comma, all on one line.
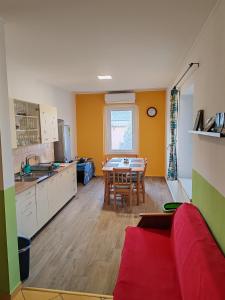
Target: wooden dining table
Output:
[(135, 164)]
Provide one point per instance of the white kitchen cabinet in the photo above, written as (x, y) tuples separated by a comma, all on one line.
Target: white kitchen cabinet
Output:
[(67, 183), (12, 124), (71, 181), (42, 204), (37, 205), (32, 123), (26, 213), (66, 191), (61, 188), (26, 123), (49, 124), (74, 182), (53, 195)]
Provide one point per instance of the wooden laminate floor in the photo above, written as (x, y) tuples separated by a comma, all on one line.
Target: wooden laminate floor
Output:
[(80, 249)]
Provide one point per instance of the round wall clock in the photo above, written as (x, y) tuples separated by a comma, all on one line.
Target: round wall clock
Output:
[(151, 111)]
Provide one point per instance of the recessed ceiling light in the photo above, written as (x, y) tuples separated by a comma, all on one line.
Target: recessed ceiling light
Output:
[(104, 77)]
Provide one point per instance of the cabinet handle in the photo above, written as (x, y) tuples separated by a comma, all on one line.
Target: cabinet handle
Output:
[(28, 204), (29, 192), (27, 215)]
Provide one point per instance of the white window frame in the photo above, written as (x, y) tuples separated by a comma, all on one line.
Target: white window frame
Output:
[(107, 128)]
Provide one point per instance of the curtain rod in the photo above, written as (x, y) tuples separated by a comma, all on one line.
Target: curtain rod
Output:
[(189, 67)]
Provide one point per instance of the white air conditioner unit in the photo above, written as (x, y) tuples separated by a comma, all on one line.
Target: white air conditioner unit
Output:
[(120, 98)]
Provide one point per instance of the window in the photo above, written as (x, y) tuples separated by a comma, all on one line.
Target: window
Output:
[(121, 129)]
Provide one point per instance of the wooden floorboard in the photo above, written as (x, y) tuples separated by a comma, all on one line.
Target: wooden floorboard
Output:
[(80, 249)]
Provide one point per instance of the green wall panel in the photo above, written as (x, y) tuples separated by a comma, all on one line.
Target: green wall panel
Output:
[(212, 206), (9, 275)]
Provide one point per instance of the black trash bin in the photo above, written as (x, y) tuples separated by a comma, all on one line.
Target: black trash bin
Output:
[(24, 257)]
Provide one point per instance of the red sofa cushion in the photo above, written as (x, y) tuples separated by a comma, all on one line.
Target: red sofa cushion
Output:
[(147, 269), (199, 261)]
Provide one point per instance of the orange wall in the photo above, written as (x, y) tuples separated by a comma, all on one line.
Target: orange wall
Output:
[(90, 109), (152, 131), (90, 141)]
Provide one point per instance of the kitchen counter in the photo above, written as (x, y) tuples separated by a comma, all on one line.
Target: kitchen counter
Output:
[(23, 186)]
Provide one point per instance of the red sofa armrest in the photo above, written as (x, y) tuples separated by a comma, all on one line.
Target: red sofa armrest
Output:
[(156, 220)]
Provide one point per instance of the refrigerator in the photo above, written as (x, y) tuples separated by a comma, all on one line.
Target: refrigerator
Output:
[(62, 148)]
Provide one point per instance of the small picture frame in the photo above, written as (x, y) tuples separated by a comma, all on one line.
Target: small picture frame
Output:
[(198, 126), (219, 122), (209, 124)]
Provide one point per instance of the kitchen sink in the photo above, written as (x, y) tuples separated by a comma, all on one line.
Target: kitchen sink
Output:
[(34, 176), (25, 179)]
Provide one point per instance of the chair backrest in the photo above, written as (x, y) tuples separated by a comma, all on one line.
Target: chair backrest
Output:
[(122, 176), (146, 164)]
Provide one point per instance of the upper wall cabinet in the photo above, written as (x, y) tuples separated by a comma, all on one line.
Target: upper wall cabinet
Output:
[(49, 124), (12, 124), (32, 123), (27, 123)]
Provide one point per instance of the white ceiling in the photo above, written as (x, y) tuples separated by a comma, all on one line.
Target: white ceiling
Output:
[(141, 43)]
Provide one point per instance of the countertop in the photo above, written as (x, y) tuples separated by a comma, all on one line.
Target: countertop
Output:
[(23, 186)]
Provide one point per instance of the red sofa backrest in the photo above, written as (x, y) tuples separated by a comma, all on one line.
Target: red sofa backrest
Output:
[(199, 261)]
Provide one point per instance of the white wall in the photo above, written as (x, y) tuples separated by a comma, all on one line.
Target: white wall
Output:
[(209, 94), (6, 165), (25, 85)]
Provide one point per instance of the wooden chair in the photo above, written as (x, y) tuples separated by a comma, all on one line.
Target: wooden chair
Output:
[(139, 181), (106, 183), (122, 184)]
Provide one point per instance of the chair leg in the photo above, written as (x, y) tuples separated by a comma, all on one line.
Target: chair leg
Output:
[(105, 194), (138, 188), (143, 188), (130, 198), (114, 193), (123, 199), (108, 194), (143, 191)]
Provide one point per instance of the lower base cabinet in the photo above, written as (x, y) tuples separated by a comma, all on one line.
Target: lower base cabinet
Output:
[(53, 195), (37, 205), (42, 204), (26, 213)]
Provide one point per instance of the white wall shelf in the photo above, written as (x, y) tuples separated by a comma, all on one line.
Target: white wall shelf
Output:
[(212, 134), (25, 130), (23, 116)]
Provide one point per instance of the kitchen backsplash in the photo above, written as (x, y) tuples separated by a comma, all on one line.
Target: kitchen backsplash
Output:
[(45, 151)]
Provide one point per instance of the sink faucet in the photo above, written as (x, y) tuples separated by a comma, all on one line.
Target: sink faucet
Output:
[(32, 156), (21, 173)]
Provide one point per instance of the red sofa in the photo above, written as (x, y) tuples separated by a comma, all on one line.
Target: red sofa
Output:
[(170, 257)]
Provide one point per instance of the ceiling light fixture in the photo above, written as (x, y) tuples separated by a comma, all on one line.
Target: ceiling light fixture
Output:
[(104, 77)]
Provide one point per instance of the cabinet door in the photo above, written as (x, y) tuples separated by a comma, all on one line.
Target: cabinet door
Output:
[(12, 124), (61, 182), (45, 125), (74, 176), (26, 213), (71, 182), (67, 184), (53, 195), (28, 219), (49, 124), (54, 125), (19, 219), (42, 203)]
